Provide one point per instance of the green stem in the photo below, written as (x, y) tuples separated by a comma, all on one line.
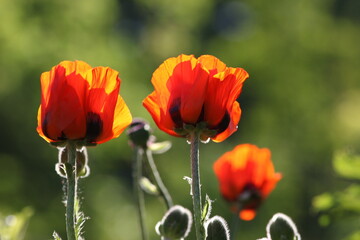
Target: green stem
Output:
[(137, 174), (196, 188), (163, 190), (71, 190), (235, 226)]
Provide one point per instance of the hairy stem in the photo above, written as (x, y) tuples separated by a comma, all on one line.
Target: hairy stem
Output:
[(139, 195), (196, 188), (71, 191), (163, 190)]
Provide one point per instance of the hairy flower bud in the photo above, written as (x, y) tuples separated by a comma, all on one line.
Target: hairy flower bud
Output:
[(175, 224), (281, 227), (216, 228), (139, 133)]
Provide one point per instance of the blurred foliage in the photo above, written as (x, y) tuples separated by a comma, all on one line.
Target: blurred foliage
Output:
[(346, 165), (13, 227), (301, 101), (344, 204)]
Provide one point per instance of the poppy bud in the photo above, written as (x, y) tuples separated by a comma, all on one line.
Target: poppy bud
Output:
[(216, 228), (175, 224), (281, 227), (139, 133)]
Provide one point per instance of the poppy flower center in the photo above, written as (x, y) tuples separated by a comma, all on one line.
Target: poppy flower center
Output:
[(250, 197), (223, 124), (175, 115)]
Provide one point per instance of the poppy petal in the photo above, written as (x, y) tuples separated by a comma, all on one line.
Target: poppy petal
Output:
[(188, 83), (235, 114), (161, 118), (224, 89), (211, 63), (247, 214)]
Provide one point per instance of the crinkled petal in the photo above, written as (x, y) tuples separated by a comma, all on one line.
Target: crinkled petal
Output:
[(234, 116)]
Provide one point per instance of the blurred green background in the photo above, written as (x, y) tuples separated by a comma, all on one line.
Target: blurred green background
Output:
[(301, 101)]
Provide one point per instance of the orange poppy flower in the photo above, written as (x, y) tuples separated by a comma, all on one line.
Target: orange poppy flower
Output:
[(193, 92), (81, 103), (246, 177)]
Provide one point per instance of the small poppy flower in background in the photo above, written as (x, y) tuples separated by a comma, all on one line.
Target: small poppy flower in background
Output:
[(81, 103), (196, 93), (246, 177)]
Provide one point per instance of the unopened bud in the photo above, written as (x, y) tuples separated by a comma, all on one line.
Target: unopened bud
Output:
[(139, 133), (216, 228), (281, 227), (176, 223)]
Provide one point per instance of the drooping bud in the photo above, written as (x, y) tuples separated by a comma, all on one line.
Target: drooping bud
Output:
[(139, 133), (216, 228), (281, 227), (175, 224)]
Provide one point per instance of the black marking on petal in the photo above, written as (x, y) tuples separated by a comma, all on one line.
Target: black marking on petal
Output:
[(44, 125), (175, 114), (94, 126), (223, 124), (62, 137)]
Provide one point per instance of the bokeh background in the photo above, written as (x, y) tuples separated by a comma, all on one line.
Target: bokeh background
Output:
[(301, 101)]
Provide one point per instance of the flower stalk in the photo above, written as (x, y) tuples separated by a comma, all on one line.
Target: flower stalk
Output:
[(163, 190), (195, 184), (139, 194), (71, 190), (235, 224)]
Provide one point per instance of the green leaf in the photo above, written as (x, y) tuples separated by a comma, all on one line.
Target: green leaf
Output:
[(206, 209), (56, 236), (14, 226), (323, 202), (349, 199), (354, 236), (79, 220), (347, 164)]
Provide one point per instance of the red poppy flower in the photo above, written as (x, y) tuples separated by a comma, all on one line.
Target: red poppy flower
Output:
[(246, 176), (196, 92), (81, 103)]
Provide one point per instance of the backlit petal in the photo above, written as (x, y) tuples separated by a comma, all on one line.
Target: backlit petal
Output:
[(247, 214), (212, 64), (235, 114), (161, 118)]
